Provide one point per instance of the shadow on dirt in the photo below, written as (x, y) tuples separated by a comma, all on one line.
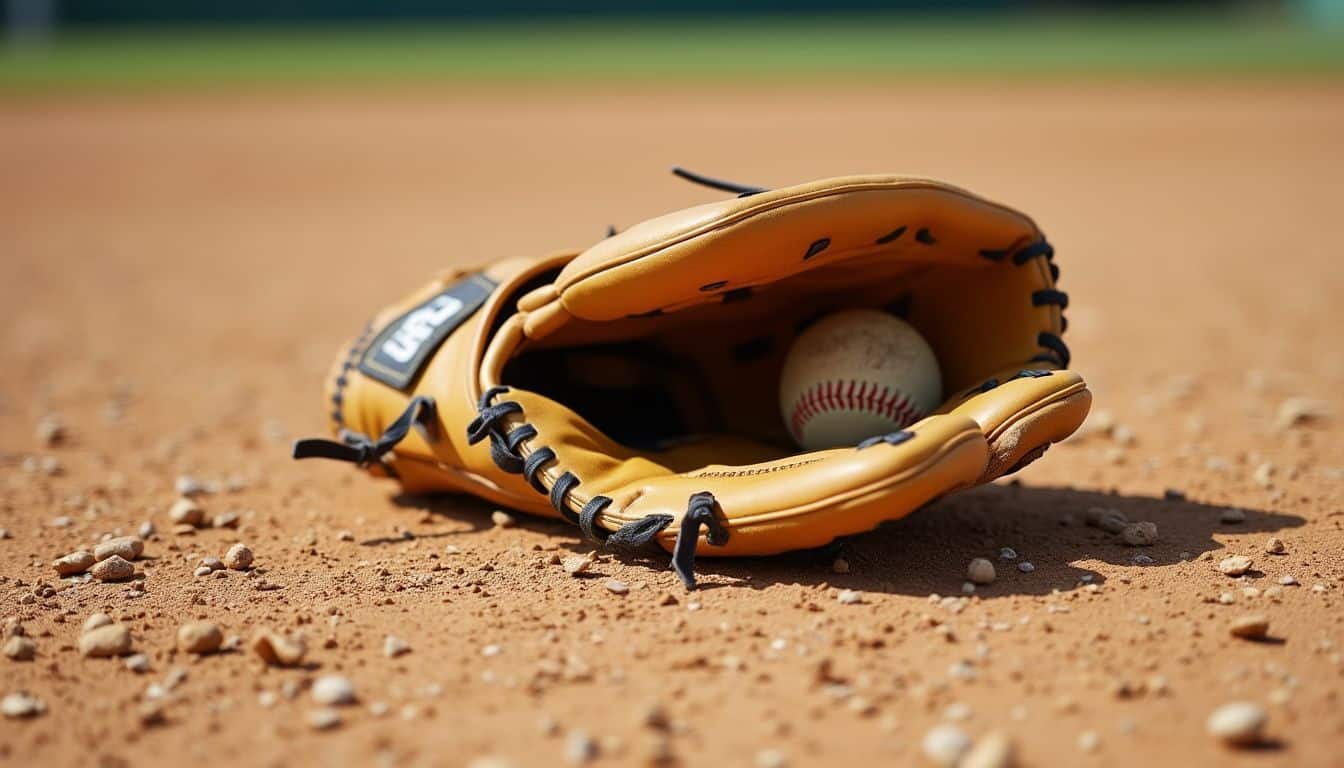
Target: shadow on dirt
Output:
[(927, 552)]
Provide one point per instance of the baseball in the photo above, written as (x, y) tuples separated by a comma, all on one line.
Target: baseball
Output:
[(856, 374)]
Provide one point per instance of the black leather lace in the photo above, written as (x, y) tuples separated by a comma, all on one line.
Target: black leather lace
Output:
[(360, 448)]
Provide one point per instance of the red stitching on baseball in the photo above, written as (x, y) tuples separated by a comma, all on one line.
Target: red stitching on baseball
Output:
[(850, 394)]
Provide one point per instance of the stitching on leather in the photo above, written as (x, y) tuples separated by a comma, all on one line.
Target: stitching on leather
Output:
[(850, 394), (342, 378)]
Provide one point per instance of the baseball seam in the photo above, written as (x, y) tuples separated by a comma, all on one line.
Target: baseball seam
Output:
[(851, 395)]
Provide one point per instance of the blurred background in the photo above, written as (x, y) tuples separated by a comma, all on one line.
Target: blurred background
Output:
[(145, 42)]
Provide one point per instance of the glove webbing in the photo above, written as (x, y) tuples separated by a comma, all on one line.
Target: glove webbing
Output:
[(1057, 352)]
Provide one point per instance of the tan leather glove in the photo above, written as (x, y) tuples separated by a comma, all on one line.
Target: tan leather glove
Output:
[(631, 388)]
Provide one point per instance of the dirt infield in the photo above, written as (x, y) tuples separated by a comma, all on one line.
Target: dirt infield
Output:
[(177, 271)]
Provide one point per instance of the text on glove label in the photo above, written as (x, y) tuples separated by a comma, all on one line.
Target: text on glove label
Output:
[(401, 349)]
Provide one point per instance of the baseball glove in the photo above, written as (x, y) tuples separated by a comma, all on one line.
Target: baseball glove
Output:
[(630, 388)]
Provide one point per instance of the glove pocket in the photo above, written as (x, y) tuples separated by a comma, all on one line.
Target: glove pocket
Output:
[(810, 499)]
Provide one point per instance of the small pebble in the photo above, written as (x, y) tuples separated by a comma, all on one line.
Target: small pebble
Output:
[(125, 547), (239, 557), (1007, 553), (840, 565), (1275, 546), (1238, 724), (849, 597), (1297, 411), (202, 571), (278, 650), (186, 485), (771, 758), (1232, 516), (1263, 475), (95, 621), (394, 647), (105, 641), (944, 745), (324, 719), (50, 431), (655, 716), (616, 587), (333, 689), (146, 530), (576, 564), (993, 750), (503, 519), (1089, 741), (225, 520), (1288, 580), (980, 571), (73, 563), (20, 648), (114, 568), (138, 662), (1235, 565), (186, 512), (199, 637), (1025, 567), (1250, 627), (17, 705), (580, 748), (1109, 520), (1141, 534)]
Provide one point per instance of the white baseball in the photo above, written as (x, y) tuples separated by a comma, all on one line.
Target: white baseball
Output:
[(856, 374)]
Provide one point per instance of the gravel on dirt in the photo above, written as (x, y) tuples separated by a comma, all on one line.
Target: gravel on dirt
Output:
[(277, 649), (945, 745), (20, 648), (105, 641), (125, 547), (333, 690), (74, 563), (980, 571), (114, 568), (1239, 724), (199, 637), (238, 558)]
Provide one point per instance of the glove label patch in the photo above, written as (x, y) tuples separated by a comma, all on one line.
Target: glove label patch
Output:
[(401, 349)]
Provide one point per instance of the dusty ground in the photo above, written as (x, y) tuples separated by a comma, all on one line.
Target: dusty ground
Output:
[(177, 272)]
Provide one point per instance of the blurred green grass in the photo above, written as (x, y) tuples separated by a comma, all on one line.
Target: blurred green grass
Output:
[(771, 48)]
